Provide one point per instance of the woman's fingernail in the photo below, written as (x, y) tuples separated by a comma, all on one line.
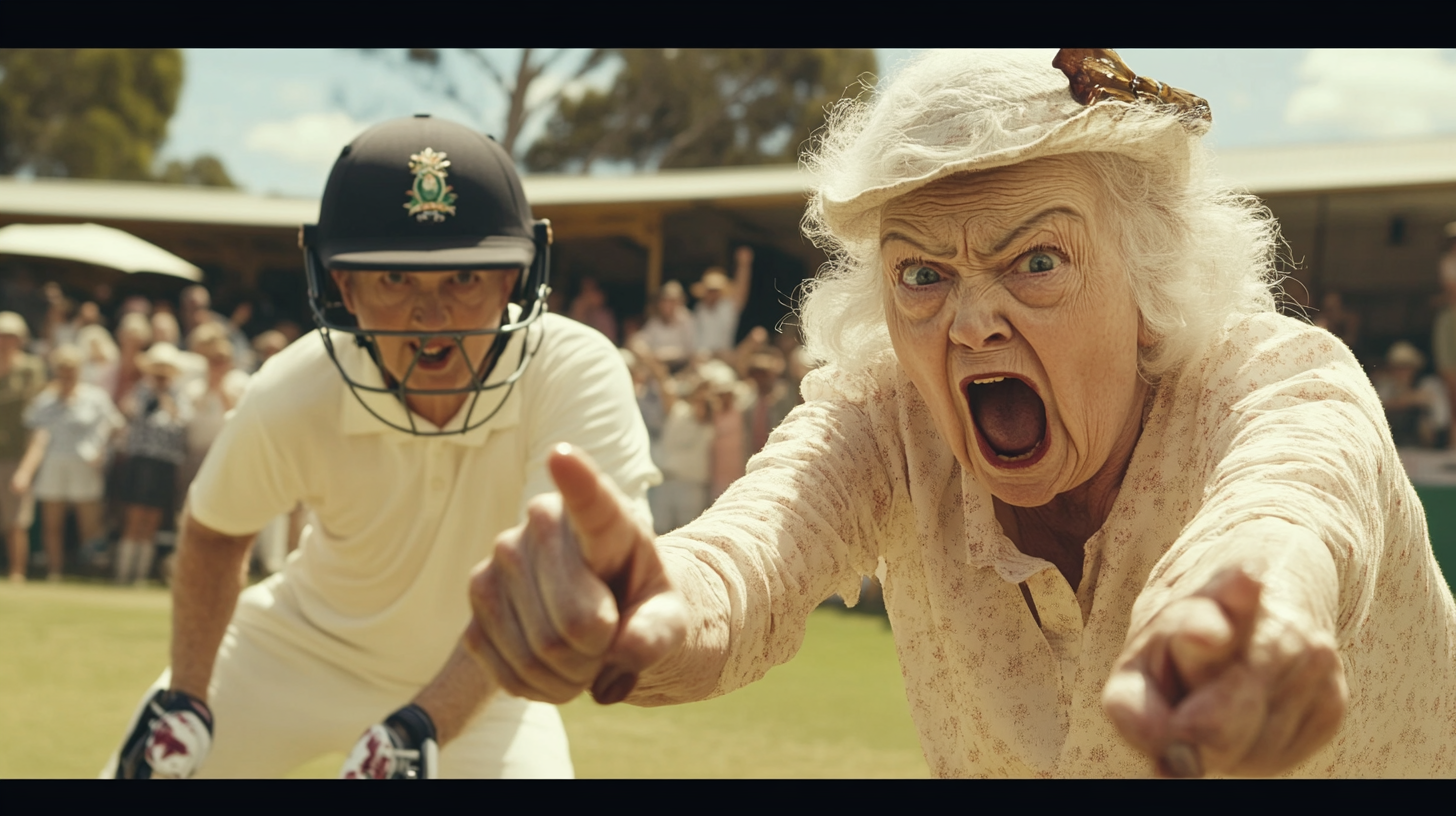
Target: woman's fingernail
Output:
[(1182, 761), (614, 688), (605, 678)]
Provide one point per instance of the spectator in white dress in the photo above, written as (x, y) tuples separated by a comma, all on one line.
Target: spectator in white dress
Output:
[(72, 422), (687, 450), (210, 396), (133, 335), (670, 333), (721, 302), (100, 363)]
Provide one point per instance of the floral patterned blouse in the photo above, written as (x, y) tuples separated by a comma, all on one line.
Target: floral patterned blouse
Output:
[(1276, 420)]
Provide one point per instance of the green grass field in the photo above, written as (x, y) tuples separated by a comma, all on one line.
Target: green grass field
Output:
[(75, 657)]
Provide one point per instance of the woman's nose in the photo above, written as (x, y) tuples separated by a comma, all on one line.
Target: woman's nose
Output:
[(979, 323)]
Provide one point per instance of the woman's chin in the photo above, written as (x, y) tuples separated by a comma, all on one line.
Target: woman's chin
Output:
[(1029, 480), (1021, 495)]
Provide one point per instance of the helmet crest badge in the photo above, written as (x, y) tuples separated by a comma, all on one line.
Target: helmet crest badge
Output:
[(430, 198)]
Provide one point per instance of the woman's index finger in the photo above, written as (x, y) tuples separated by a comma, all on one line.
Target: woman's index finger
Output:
[(592, 508)]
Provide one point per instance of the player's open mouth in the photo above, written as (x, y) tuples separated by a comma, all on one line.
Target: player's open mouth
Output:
[(1010, 419), (435, 356)]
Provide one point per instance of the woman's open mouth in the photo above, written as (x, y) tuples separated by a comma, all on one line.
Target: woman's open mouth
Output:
[(1010, 419)]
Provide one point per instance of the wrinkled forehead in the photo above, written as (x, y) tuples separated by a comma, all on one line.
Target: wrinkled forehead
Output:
[(984, 207)]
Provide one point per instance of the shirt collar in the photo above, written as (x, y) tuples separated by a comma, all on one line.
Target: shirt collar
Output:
[(356, 420)]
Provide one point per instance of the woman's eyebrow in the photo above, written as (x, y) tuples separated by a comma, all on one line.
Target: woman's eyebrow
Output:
[(894, 235), (1033, 222)]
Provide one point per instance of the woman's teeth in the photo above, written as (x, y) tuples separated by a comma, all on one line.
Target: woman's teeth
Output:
[(1026, 455), (987, 380)]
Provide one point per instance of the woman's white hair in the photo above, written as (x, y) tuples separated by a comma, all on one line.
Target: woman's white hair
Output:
[(1199, 254)]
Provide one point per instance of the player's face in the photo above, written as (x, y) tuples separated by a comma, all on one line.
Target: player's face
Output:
[(428, 302)]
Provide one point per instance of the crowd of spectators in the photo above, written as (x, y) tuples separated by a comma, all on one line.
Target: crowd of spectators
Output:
[(708, 403), (109, 423), (1418, 399)]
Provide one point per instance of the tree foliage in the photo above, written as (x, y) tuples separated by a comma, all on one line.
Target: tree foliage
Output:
[(86, 112), (700, 107), (203, 171), (518, 78)]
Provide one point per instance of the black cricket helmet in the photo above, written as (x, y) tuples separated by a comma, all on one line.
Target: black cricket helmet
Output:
[(419, 195)]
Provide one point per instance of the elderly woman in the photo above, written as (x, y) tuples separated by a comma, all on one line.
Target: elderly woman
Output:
[(670, 335), (211, 396), (156, 446), (1129, 520), (101, 362), (71, 423), (133, 335)]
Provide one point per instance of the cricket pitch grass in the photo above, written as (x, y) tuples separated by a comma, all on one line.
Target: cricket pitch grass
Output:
[(76, 657)]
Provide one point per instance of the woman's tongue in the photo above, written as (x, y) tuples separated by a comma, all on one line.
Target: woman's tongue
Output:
[(1009, 414)]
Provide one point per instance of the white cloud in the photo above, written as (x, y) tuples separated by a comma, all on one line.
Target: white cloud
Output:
[(310, 138), (1378, 93)]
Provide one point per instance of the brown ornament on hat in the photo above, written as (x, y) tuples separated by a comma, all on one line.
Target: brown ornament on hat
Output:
[(1099, 74)]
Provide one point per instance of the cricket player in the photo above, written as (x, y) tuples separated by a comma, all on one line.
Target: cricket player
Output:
[(414, 425)]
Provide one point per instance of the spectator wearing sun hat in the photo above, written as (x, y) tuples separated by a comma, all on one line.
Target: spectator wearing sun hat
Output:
[(670, 333), (721, 301), (71, 423), (156, 444)]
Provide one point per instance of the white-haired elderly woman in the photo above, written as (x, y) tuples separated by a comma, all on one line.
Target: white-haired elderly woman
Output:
[(1129, 519)]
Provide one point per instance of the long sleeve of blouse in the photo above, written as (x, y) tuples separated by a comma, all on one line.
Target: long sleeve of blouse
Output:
[(800, 528)]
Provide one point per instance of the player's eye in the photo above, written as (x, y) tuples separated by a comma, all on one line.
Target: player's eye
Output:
[(394, 278), (466, 277)]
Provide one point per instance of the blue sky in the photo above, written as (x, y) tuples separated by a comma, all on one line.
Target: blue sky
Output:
[(277, 118)]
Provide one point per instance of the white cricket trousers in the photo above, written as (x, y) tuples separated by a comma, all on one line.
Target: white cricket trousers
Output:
[(276, 707)]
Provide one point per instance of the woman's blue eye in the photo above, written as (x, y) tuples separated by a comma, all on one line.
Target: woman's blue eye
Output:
[(919, 276), (1040, 262)]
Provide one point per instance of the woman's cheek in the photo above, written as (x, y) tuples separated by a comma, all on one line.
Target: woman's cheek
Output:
[(919, 306), (1041, 291)]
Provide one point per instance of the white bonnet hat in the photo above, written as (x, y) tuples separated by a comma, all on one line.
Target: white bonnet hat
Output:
[(961, 110), (13, 324), (161, 355)]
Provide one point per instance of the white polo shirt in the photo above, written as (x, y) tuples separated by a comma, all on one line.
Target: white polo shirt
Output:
[(378, 584)]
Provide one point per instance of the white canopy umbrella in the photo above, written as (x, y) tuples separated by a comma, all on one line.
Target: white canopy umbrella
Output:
[(94, 244)]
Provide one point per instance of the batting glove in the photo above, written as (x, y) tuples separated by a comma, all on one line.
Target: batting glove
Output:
[(170, 740), (401, 747)]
